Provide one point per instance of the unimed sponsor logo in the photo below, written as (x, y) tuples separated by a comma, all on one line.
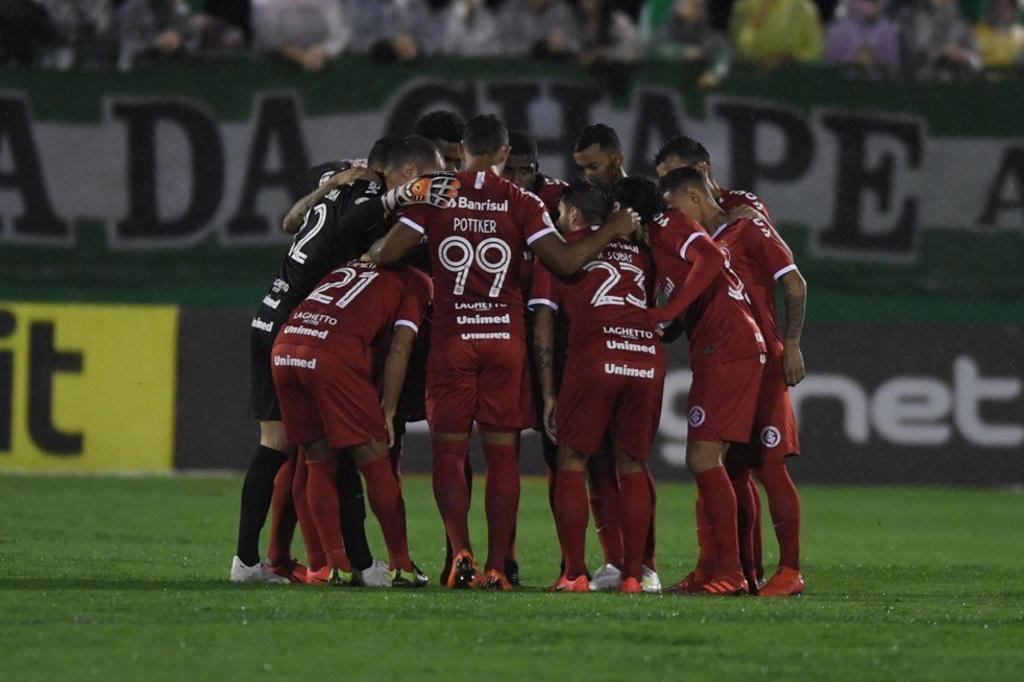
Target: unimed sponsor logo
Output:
[(904, 410), (627, 371), (306, 331), (289, 361), (650, 349)]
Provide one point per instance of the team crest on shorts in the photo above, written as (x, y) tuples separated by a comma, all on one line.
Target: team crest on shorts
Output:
[(770, 437), (697, 416)]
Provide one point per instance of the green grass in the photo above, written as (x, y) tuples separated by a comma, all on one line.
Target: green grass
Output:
[(125, 579)]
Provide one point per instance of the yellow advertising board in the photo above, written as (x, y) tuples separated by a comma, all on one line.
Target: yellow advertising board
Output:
[(87, 387)]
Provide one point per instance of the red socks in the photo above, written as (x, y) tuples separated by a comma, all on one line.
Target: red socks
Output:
[(746, 516), (451, 491), (705, 544), (649, 549), (635, 509), (502, 501), (315, 558), (784, 503), (720, 506), (282, 519), (322, 498), (757, 536), (389, 508), (604, 502), (571, 516)]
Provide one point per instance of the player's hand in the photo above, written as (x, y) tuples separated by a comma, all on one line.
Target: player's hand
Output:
[(438, 189), (793, 364), (550, 428), (624, 222), (744, 212)]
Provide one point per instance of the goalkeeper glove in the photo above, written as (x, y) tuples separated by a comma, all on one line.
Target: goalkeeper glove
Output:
[(438, 189)]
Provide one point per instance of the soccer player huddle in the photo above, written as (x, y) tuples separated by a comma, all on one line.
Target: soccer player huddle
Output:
[(446, 278)]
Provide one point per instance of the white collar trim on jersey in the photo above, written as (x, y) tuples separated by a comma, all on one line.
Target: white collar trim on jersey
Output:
[(720, 230)]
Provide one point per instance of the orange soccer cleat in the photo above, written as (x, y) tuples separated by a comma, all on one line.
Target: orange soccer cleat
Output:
[(631, 586), (691, 584), (787, 582), (493, 580), (332, 577), (463, 571), (578, 584), (727, 585), (292, 570)]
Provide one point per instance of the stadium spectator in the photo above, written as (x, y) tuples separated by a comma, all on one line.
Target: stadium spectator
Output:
[(392, 30), (687, 36), (86, 32), (25, 31), (307, 32), (863, 36), (153, 29), (1000, 35), (609, 35), (772, 32), (542, 28), (937, 38), (469, 29)]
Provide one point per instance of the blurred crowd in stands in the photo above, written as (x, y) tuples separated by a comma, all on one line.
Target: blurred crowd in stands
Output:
[(924, 38)]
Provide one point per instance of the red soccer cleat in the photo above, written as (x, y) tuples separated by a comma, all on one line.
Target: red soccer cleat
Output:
[(787, 582), (579, 584), (727, 585), (690, 585), (293, 571), (630, 586), (332, 577), (463, 571), (493, 580)]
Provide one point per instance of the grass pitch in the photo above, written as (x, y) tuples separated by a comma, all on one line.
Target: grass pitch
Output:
[(126, 579)]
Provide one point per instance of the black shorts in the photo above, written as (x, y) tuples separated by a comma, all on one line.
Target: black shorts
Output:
[(263, 404)]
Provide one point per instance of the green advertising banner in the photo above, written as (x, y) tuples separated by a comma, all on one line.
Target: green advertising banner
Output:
[(903, 201)]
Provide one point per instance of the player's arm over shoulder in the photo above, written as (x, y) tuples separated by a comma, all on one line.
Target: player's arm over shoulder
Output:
[(405, 234)]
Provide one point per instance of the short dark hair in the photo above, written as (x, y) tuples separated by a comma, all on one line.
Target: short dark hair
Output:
[(522, 144), (639, 194), (598, 133), (441, 124), (484, 134), (379, 152), (591, 201), (686, 148), (682, 178), (412, 149)]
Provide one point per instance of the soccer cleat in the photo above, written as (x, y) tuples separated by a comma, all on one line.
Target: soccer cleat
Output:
[(463, 571), (377, 574), (578, 584), (727, 585), (650, 582), (261, 574), (492, 580), (512, 571), (606, 579), (631, 586), (292, 570), (691, 584), (787, 582), (332, 577), (415, 578)]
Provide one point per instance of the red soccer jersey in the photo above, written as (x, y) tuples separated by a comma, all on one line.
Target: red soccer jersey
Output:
[(355, 304), (731, 198), (719, 324), (756, 252), (549, 190), (476, 249), (606, 302)]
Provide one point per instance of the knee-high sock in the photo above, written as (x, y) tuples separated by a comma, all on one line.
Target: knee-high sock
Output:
[(571, 517), (550, 451), (604, 502), (720, 506), (502, 500), (784, 503), (322, 497), (352, 508), (635, 507), (315, 558), (649, 548), (282, 515), (451, 491), (705, 543), (757, 536), (746, 513), (257, 491), (389, 508)]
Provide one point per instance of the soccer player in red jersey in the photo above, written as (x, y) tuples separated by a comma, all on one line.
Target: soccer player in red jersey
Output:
[(477, 367), (614, 376), (727, 355), (322, 365), (775, 428)]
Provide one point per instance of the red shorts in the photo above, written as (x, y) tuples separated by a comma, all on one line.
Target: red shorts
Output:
[(616, 397), (327, 394), (482, 380), (774, 435), (723, 399)]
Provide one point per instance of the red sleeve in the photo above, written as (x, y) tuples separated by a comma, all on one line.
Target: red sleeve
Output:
[(416, 217), (529, 212), (676, 232), (415, 299), (772, 251), (545, 288), (707, 260)]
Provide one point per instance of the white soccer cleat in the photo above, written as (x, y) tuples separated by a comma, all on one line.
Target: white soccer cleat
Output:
[(259, 574), (606, 579), (650, 583), (377, 575)]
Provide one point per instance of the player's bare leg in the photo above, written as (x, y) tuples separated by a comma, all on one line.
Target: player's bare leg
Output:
[(784, 506), (451, 492), (501, 449), (571, 517), (635, 511), (705, 460), (322, 498), (374, 463)]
